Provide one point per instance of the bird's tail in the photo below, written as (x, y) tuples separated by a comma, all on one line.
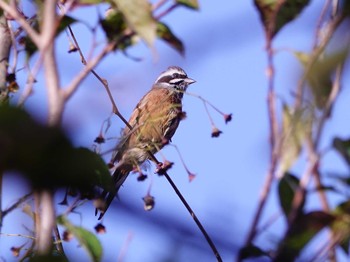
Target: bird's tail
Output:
[(119, 175)]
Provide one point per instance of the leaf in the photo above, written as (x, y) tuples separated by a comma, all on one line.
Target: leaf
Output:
[(193, 4), (286, 191), (250, 252), (296, 127), (45, 156), (138, 14), (341, 226), (27, 42), (299, 234), (275, 14), (113, 25), (86, 238), (27, 209), (343, 148), (164, 32), (320, 76), (57, 257), (30, 47), (64, 23)]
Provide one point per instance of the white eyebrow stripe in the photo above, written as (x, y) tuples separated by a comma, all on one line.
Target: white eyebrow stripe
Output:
[(170, 72)]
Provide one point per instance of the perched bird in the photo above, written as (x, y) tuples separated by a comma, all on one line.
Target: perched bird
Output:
[(153, 123)]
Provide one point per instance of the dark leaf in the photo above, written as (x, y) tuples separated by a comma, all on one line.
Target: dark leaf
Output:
[(286, 191), (64, 23), (299, 234), (251, 251), (345, 244), (341, 226), (52, 258), (30, 47), (165, 33), (276, 13), (343, 148), (113, 25), (45, 156), (85, 238), (193, 4)]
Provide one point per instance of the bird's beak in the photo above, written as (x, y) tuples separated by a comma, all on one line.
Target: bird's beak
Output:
[(189, 81)]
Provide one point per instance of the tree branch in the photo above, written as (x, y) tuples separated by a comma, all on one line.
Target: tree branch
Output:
[(13, 12), (5, 45)]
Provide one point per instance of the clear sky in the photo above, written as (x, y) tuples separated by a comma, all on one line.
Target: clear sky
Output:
[(224, 45)]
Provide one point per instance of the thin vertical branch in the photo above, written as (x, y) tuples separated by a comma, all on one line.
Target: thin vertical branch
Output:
[(195, 218), (317, 51), (125, 247), (55, 111), (190, 211), (5, 46), (46, 223), (89, 67), (320, 23), (55, 97), (274, 144)]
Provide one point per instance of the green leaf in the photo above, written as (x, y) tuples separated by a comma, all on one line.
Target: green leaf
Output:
[(27, 42), (341, 226), (275, 14), (251, 251), (45, 156), (65, 22), (138, 14), (296, 127), (286, 191), (321, 74), (164, 32), (299, 234), (343, 148), (87, 239), (114, 26), (193, 4), (30, 47)]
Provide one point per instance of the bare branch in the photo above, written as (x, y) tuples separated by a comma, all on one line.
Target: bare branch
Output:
[(46, 223), (55, 97), (5, 45), (13, 12), (332, 26), (190, 211), (72, 87)]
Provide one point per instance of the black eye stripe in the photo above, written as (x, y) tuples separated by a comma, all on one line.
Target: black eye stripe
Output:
[(176, 81), (165, 79)]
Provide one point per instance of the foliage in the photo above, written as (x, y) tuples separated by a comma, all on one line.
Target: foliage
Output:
[(299, 132), (44, 155)]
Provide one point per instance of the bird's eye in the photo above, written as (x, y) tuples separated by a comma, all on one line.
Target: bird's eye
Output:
[(176, 75)]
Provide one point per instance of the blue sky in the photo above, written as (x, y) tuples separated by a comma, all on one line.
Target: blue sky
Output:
[(224, 45)]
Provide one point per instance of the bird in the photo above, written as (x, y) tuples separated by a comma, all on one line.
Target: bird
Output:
[(152, 124)]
